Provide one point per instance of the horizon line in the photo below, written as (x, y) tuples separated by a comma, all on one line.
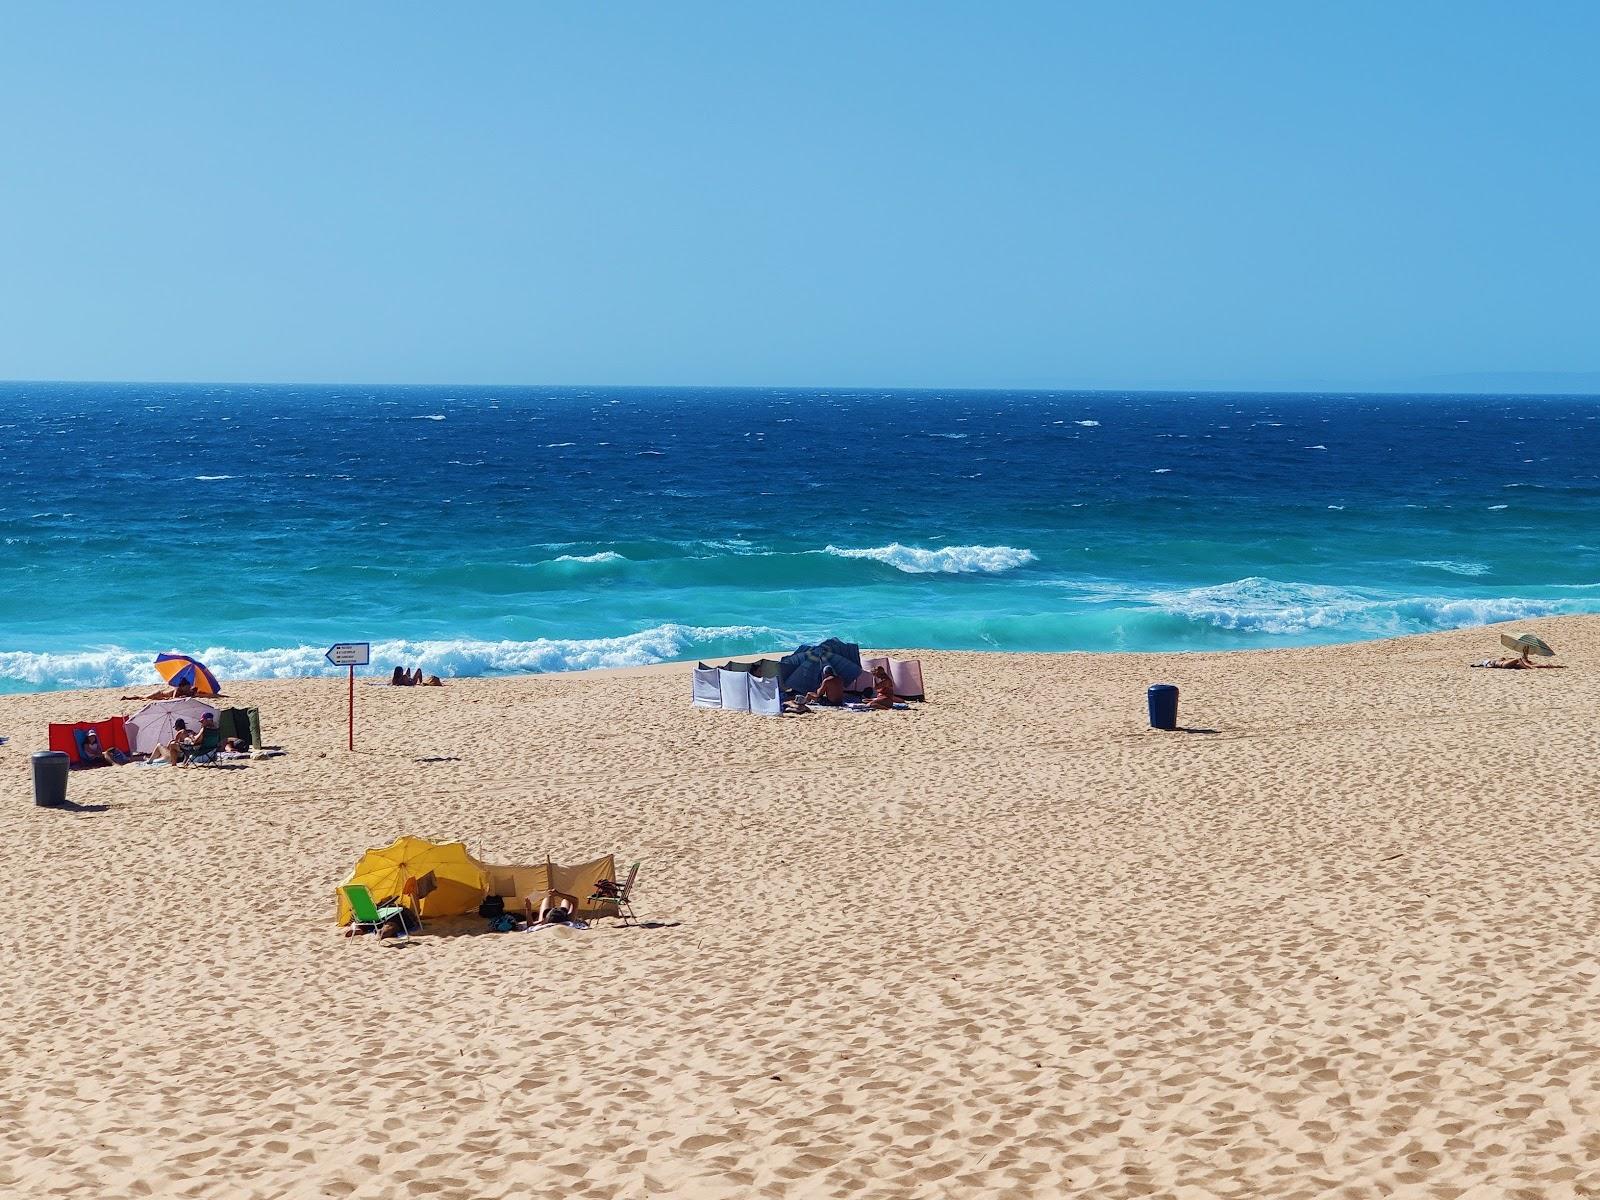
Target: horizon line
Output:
[(1210, 389)]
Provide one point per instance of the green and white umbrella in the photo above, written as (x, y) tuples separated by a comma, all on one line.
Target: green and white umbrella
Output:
[(1526, 644)]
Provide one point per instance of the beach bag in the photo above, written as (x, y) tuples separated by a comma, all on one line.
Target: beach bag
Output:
[(492, 906), (504, 923)]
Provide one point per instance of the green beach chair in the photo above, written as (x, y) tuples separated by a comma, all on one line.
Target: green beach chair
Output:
[(204, 752), (623, 899), (365, 912)]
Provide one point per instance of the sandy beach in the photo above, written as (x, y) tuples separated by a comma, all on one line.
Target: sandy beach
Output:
[(1336, 939)]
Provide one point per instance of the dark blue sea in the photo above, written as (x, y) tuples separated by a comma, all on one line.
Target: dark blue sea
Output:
[(485, 530)]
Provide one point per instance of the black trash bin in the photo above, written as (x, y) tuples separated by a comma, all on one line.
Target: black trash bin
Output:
[(50, 778), (1163, 700)]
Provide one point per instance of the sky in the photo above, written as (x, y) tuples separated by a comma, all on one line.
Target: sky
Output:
[(1051, 195)]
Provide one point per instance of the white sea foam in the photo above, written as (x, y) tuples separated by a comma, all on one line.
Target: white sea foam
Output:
[(1262, 605), (210, 478), (429, 417), (602, 557), (119, 667), (558, 445), (1087, 424), (1454, 566), (946, 560), (1497, 507)]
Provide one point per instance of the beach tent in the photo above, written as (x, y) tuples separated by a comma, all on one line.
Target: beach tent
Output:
[(802, 670), (458, 878), (739, 687), (153, 724), (904, 673), (518, 882), (68, 739)]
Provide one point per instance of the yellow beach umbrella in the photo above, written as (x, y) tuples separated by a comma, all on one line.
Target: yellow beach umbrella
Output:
[(458, 879)]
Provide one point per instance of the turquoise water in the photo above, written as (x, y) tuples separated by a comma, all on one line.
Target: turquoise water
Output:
[(532, 529)]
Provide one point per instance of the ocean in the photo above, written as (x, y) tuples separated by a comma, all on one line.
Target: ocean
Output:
[(512, 529)]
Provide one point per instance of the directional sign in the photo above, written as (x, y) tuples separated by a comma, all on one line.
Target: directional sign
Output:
[(350, 654)]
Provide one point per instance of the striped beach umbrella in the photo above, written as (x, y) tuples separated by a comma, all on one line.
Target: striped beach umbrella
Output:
[(179, 670), (1526, 644)]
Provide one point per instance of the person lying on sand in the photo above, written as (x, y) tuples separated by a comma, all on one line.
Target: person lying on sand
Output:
[(400, 678), (555, 908), (1519, 663), (182, 692)]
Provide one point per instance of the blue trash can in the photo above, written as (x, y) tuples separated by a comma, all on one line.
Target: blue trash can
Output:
[(50, 778), (1163, 700)]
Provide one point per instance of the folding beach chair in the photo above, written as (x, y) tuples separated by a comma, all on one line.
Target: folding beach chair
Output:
[(366, 912), (623, 897), (203, 753)]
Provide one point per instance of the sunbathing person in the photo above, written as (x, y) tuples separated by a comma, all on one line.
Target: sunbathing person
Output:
[(882, 690), (182, 692), (400, 678), (555, 908), (830, 691), (1519, 663)]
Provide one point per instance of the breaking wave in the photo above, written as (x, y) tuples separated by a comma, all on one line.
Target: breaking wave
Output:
[(1455, 567), (1257, 605), (118, 667), (946, 560)]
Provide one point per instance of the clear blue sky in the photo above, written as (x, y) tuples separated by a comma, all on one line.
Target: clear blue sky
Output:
[(975, 194)]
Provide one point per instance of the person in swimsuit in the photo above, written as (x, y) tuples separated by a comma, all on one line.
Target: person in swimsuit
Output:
[(1522, 663), (830, 691), (882, 690), (555, 908), (172, 751)]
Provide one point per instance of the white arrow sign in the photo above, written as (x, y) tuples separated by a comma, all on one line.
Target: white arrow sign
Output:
[(350, 654)]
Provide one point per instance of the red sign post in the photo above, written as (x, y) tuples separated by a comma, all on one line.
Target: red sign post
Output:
[(351, 655)]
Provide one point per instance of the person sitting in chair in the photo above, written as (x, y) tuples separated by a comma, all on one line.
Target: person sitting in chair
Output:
[(96, 755), (182, 735)]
